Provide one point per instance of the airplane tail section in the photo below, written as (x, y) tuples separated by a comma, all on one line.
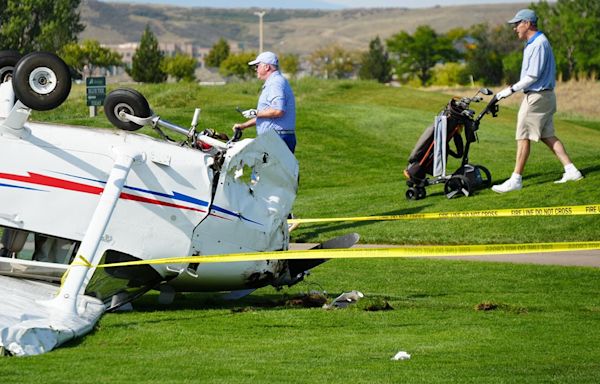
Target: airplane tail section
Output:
[(300, 268)]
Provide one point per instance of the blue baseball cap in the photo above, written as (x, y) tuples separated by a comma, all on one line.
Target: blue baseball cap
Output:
[(267, 58), (524, 14)]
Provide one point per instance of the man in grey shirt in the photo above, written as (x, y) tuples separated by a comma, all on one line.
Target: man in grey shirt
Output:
[(535, 119)]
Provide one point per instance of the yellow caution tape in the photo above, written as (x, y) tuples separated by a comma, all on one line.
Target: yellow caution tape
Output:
[(81, 261), (397, 252), (353, 253), (574, 210), (85, 261)]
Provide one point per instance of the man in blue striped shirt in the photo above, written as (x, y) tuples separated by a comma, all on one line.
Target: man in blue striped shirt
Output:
[(276, 109), (535, 119)]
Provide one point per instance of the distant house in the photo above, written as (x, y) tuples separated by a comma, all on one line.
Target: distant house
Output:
[(127, 50)]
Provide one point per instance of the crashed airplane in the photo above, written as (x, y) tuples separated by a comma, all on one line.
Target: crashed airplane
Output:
[(75, 197)]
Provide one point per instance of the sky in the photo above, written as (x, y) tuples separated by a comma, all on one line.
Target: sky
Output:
[(323, 4)]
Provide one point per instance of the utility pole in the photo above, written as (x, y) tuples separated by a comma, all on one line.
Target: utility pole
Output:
[(260, 29)]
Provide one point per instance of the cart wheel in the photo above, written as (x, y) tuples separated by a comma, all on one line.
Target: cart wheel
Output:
[(457, 184), (483, 175), (41, 81), (411, 194), (421, 193), (8, 60), (129, 101)]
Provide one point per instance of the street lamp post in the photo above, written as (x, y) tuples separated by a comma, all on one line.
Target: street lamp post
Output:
[(260, 29)]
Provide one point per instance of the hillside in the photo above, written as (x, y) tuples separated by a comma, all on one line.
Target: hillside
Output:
[(291, 31)]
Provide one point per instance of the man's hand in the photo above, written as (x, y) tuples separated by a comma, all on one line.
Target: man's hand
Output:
[(249, 113), (503, 94)]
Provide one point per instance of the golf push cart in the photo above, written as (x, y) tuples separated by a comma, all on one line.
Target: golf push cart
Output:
[(429, 157)]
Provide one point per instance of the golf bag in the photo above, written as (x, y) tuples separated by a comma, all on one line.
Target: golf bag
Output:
[(445, 138)]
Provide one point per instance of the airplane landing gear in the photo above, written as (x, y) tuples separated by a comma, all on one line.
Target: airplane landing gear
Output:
[(41, 81), (129, 101)]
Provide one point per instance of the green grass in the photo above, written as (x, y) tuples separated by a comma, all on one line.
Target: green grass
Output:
[(354, 139), (542, 330)]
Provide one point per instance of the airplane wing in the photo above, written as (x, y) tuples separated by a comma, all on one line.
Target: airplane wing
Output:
[(27, 327)]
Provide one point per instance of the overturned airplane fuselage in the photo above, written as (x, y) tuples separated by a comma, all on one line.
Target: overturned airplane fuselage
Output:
[(95, 196)]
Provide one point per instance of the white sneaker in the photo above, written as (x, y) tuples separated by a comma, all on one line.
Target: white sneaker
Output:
[(569, 176), (507, 186)]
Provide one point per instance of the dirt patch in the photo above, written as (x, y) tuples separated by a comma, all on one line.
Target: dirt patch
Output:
[(491, 306), (311, 300)]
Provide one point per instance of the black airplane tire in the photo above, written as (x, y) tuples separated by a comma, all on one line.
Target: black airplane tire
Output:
[(129, 101), (8, 60), (41, 81)]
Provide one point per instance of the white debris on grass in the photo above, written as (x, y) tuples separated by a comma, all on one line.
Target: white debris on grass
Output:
[(345, 299), (402, 355)]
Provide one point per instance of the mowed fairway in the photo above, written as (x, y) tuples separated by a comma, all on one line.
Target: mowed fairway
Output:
[(460, 321)]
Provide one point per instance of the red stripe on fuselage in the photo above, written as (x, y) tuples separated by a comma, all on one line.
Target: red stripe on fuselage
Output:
[(127, 196), (35, 178)]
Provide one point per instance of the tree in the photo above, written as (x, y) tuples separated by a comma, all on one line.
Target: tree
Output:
[(450, 74), (485, 51), (333, 61), (289, 64), (180, 66), (38, 25), (217, 54), (510, 48), (91, 54), (147, 59), (511, 66), (416, 55), (572, 28), (237, 65), (484, 61), (375, 64)]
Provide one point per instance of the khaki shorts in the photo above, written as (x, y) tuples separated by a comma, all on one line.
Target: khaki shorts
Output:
[(534, 121)]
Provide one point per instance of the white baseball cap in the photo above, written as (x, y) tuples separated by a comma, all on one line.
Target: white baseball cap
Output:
[(266, 58)]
